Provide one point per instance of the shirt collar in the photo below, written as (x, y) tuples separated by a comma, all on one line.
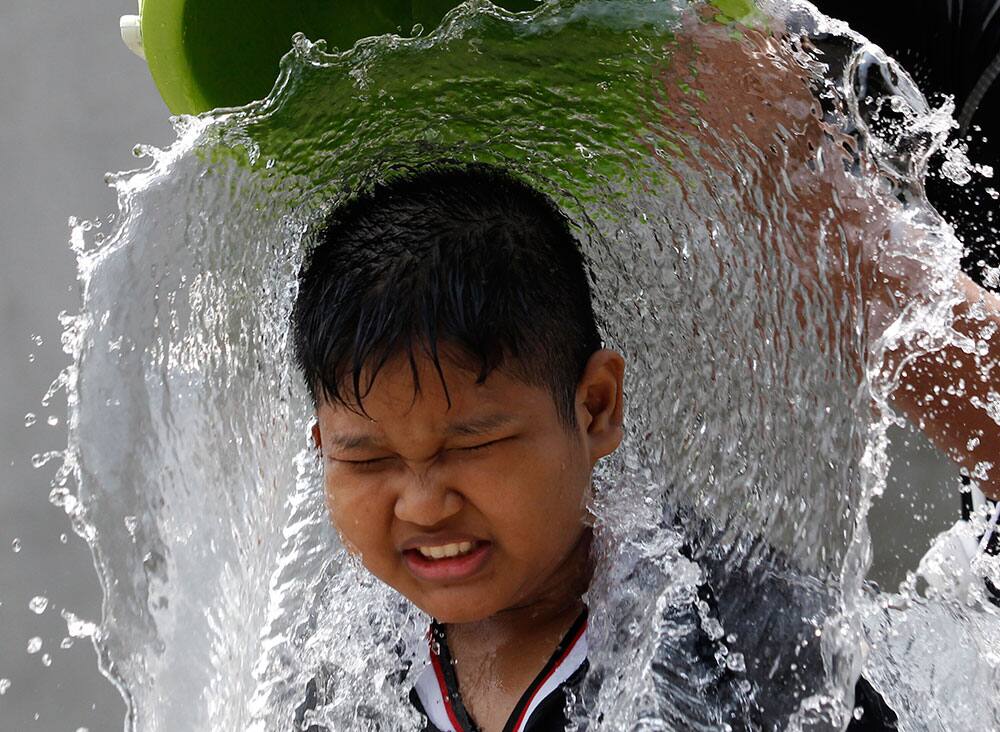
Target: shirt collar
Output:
[(437, 685)]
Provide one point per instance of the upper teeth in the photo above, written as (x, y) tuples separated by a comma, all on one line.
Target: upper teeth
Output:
[(446, 550)]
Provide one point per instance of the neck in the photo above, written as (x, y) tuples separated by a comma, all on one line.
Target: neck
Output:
[(496, 659)]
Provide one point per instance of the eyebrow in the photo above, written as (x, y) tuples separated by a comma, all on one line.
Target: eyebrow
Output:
[(468, 428), (353, 442), (478, 426)]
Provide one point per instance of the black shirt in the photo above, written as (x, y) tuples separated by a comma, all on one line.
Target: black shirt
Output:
[(542, 707)]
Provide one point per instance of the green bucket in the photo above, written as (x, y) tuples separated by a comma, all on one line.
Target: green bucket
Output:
[(205, 54)]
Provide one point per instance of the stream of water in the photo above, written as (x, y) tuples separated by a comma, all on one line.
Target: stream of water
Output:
[(732, 186)]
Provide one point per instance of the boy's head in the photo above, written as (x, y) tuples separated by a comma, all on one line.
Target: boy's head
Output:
[(445, 331)]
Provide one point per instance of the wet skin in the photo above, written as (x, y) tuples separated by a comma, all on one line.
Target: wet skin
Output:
[(754, 91), (497, 469)]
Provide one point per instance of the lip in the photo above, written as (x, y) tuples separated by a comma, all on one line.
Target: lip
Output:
[(448, 569)]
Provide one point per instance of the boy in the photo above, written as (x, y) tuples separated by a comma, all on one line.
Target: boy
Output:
[(445, 329)]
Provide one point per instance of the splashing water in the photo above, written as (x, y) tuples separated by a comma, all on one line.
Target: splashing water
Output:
[(733, 190)]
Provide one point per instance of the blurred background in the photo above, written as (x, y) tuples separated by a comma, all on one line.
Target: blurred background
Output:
[(75, 101), (74, 104)]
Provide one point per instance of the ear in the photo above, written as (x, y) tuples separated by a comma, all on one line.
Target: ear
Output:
[(317, 435), (600, 403)]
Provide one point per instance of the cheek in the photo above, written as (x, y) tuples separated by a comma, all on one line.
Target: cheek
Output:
[(564, 497), (539, 503), (562, 472), (358, 510)]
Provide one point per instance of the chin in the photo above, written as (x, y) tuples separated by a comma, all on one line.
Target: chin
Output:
[(457, 610)]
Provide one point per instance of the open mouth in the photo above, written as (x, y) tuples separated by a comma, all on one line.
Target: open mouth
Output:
[(447, 551), (448, 562)]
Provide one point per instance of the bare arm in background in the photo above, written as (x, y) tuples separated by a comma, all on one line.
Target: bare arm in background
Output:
[(747, 87), (954, 396)]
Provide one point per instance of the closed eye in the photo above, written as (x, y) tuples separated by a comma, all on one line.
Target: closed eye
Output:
[(472, 448), (361, 463)]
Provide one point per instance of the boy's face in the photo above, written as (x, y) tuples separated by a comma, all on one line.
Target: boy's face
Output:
[(473, 509)]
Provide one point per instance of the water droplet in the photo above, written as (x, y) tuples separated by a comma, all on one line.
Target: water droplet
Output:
[(29, 419), (38, 604), (78, 628), (957, 168), (34, 645), (52, 421), (66, 643), (41, 459), (63, 539), (4, 686), (58, 384), (36, 339), (15, 546), (31, 358), (46, 659)]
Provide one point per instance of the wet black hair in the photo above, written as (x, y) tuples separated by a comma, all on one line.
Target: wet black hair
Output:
[(464, 257)]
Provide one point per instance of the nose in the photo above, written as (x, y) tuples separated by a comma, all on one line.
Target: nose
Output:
[(424, 501)]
